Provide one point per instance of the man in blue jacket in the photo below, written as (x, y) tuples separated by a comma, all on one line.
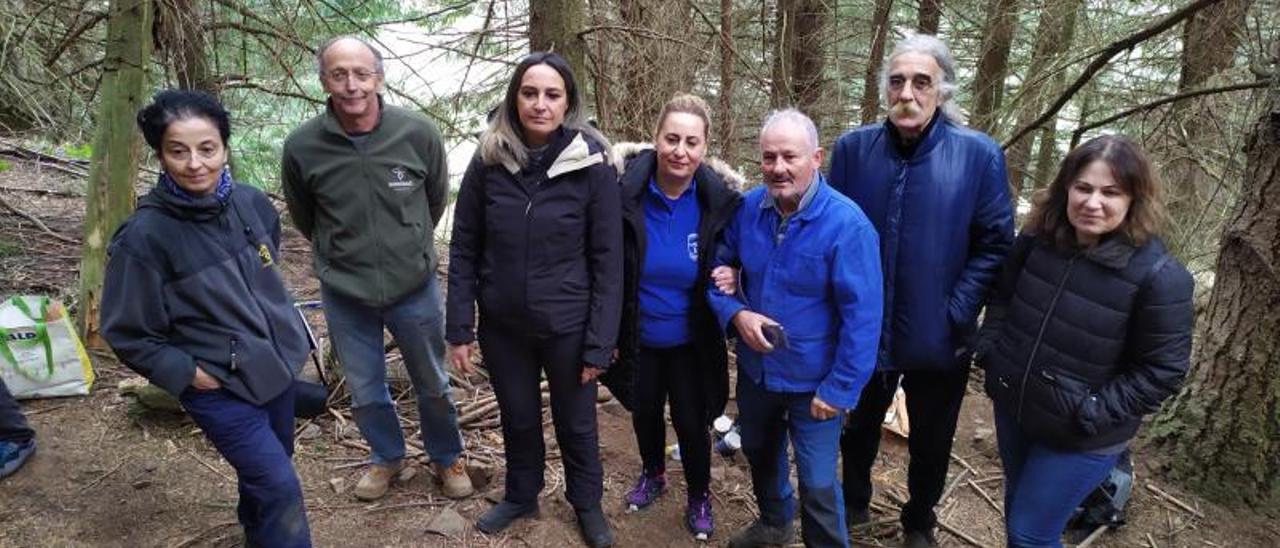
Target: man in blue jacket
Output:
[(807, 330), (938, 196)]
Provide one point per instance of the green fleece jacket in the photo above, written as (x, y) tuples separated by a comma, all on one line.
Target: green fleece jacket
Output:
[(369, 205)]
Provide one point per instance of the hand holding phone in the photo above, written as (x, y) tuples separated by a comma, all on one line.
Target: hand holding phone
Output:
[(775, 334)]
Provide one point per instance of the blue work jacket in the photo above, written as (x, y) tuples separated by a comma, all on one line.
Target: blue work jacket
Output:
[(945, 223), (820, 279)]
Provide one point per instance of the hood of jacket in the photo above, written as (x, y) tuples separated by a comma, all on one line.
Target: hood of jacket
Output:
[(622, 155), (201, 208)]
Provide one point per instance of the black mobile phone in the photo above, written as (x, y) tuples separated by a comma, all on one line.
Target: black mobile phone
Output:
[(775, 335)]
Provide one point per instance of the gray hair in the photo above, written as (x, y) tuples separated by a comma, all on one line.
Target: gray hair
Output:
[(377, 55), (794, 117), (928, 44)]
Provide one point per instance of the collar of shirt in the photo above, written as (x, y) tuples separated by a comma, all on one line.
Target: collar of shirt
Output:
[(809, 193), (655, 191)]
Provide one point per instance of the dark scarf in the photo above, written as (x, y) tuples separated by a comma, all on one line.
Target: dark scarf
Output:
[(222, 192)]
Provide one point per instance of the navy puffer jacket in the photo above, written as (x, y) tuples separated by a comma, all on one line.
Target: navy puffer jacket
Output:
[(1079, 346), (945, 223)]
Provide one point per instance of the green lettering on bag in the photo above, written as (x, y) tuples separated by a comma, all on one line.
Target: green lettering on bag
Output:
[(42, 338)]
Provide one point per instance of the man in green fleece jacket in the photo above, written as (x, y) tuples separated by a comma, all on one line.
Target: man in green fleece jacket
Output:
[(366, 182)]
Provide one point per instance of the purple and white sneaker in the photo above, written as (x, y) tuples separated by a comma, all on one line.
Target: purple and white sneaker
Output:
[(698, 517), (648, 488)]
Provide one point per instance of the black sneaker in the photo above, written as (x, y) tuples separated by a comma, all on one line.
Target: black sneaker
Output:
[(761, 534), (918, 539), (594, 528), (501, 516)]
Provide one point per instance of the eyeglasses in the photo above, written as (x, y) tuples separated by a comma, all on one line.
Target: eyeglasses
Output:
[(338, 76), (920, 83)]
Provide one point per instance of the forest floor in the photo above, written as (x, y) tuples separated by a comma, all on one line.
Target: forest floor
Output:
[(108, 474)]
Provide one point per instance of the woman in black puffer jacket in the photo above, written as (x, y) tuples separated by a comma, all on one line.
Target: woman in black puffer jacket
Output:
[(1088, 331)]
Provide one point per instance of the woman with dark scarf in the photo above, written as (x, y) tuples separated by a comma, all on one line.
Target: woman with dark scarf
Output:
[(194, 301)]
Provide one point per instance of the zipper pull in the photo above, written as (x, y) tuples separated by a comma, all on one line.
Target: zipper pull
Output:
[(235, 360)]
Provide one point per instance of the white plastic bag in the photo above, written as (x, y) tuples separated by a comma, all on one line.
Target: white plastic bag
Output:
[(40, 353)]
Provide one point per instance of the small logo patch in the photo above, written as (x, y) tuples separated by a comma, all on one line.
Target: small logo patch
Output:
[(691, 244), (399, 179), (264, 253)]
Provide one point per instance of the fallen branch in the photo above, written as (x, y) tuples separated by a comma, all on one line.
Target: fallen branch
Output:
[(983, 493), (1093, 536), (1174, 500), (210, 467), (191, 541), (103, 477), (39, 224)]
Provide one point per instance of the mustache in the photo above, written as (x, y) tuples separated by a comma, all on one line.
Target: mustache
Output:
[(906, 108)]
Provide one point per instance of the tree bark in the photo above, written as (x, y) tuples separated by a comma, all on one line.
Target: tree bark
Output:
[(800, 58), (930, 16), (116, 150), (554, 26), (724, 119), (1054, 34), (993, 63), (1210, 39), (656, 65), (180, 37), (1224, 428), (870, 107)]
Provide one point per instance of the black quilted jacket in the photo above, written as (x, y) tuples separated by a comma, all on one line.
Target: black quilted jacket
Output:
[(1079, 345)]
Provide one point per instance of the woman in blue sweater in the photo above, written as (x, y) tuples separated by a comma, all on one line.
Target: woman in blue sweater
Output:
[(674, 206)]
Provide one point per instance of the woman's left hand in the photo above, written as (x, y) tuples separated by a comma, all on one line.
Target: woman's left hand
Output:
[(725, 278), (590, 372)]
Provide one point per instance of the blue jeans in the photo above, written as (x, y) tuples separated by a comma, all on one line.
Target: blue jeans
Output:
[(13, 424), (1043, 486), (766, 419), (417, 323), (258, 442)]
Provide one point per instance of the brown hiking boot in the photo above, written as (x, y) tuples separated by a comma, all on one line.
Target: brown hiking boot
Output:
[(376, 480), (456, 482)]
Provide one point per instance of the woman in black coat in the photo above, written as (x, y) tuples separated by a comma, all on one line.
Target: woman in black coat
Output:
[(1089, 330), (537, 244), (194, 301), (674, 205)]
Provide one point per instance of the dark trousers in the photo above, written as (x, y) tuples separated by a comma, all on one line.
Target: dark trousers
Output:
[(258, 442), (933, 405), (1043, 486), (13, 424), (767, 420), (516, 363), (676, 372)]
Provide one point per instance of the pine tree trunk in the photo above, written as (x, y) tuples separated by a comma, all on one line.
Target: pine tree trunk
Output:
[(554, 26), (1054, 34), (181, 38), (870, 107), (1210, 39), (724, 122), (656, 67), (1223, 430), (993, 63), (116, 150), (930, 16)]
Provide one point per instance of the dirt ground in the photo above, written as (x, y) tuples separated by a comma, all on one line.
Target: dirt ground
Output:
[(107, 474)]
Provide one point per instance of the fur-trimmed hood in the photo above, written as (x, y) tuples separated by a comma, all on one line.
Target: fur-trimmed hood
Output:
[(622, 153)]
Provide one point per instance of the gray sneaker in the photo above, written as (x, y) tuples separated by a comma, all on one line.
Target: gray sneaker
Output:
[(761, 534)]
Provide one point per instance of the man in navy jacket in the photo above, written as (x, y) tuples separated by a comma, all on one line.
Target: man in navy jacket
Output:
[(807, 326), (938, 196)]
